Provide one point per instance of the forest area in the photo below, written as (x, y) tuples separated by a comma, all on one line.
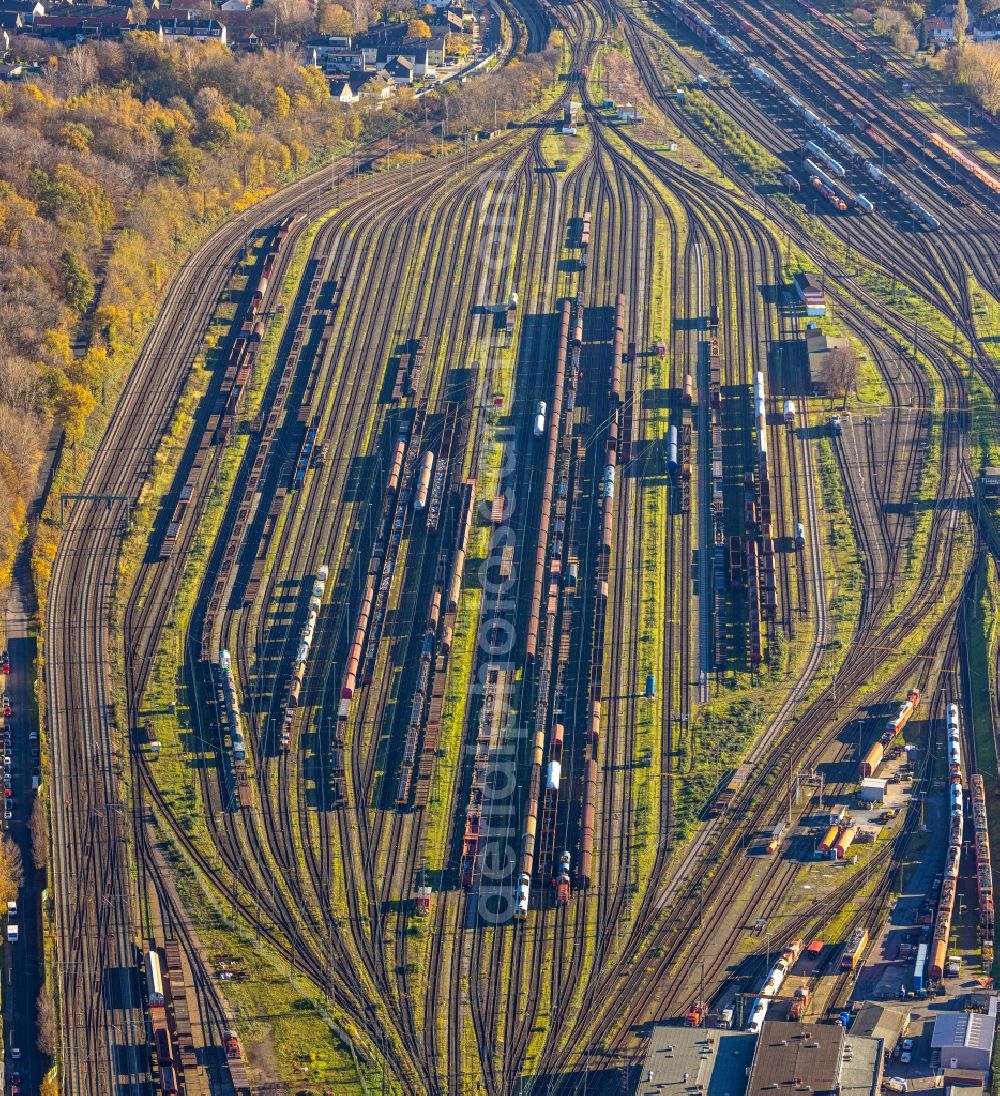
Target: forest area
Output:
[(114, 162)]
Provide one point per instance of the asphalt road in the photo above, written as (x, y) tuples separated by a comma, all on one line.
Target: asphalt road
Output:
[(23, 961)]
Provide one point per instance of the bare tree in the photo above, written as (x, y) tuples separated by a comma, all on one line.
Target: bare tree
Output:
[(46, 1020), (19, 383), (842, 371), (39, 834), (78, 70)]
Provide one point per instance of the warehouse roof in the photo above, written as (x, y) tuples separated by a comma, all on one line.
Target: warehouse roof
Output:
[(803, 1056), (861, 1069), (714, 1063), (881, 1022), (966, 1029)]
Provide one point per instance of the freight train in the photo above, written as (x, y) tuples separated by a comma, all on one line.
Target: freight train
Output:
[(772, 984), (306, 637), (863, 50), (538, 841), (163, 1048), (585, 239), (592, 737), (984, 870), (949, 887), (893, 728), (235, 379), (227, 707), (762, 598), (987, 178), (709, 34)]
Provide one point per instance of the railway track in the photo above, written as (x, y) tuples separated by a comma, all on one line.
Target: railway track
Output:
[(327, 882)]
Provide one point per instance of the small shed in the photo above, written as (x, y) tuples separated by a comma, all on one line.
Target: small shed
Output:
[(989, 478), (810, 293), (872, 790)]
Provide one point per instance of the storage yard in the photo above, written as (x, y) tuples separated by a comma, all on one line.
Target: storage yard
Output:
[(524, 677)]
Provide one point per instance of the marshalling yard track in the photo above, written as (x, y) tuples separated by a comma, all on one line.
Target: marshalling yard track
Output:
[(345, 804)]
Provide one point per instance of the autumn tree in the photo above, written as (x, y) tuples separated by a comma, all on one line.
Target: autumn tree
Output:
[(960, 23), (979, 72), (76, 136), (22, 433), (333, 18), (78, 286), (73, 404), (418, 28), (11, 871)]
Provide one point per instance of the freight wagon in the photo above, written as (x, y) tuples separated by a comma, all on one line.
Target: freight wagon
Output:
[(724, 799)]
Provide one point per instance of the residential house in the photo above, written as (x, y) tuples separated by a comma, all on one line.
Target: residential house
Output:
[(11, 21), (382, 34), (247, 41), (449, 21), (342, 92), (248, 30), (987, 28), (322, 44), (375, 85), (937, 31), (435, 46), (400, 70), (87, 24), (413, 51), (203, 30), (335, 55), (103, 13), (235, 5), (28, 8), (425, 53)]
